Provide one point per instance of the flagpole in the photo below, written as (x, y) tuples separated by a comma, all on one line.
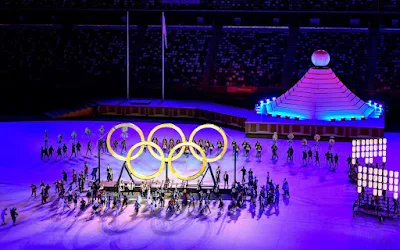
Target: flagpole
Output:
[(162, 54), (127, 55)]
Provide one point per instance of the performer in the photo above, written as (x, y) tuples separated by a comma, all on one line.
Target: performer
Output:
[(234, 144), (64, 148), (74, 176), (218, 173), (219, 145), (285, 188), (155, 140), (89, 148), (14, 215), (123, 145), (336, 160), (247, 149), (73, 149), (164, 145), (51, 150), (259, 150), (304, 157), (309, 155), (109, 173), (115, 144), (171, 144), (3, 215), (73, 136), (88, 132), (274, 152), (244, 145), (101, 130), (226, 180), (60, 138), (137, 206), (316, 157), (34, 188), (211, 148)]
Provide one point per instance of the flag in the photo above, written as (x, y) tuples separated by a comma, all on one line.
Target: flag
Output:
[(164, 31)]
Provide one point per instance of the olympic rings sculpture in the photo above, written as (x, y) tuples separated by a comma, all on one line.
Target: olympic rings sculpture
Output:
[(159, 155)]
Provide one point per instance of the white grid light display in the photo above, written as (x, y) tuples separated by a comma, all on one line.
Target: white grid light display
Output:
[(369, 150), (378, 180)]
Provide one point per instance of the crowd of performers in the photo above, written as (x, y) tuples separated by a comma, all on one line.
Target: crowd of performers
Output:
[(310, 154), (74, 194)]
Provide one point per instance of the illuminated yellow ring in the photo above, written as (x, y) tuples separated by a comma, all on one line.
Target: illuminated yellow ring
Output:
[(219, 130), (111, 150), (142, 144), (166, 125), (203, 159)]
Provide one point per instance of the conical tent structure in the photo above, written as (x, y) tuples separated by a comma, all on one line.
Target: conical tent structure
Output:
[(319, 95)]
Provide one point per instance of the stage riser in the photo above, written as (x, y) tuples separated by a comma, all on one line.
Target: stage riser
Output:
[(174, 113), (263, 130)]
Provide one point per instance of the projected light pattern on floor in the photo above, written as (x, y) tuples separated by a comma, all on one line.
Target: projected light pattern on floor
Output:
[(319, 95)]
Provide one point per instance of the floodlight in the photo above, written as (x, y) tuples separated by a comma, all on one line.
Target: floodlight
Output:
[(379, 185), (371, 160), (365, 170), (371, 141), (375, 141), (353, 155), (384, 147), (384, 140), (395, 196), (380, 140), (384, 153), (370, 184), (375, 192), (370, 170), (385, 172), (359, 189), (366, 148), (396, 181), (362, 142), (375, 171), (354, 143), (359, 176), (380, 153), (375, 147), (384, 186), (379, 192), (364, 184), (358, 142), (364, 176), (353, 161), (370, 177), (380, 171), (353, 149), (380, 147), (358, 148), (390, 180), (375, 154), (396, 174), (390, 188), (375, 185), (362, 155), (360, 168), (384, 179), (396, 189), (391, 173), (358, 155), (375, 178), (367, 154), (384, 159), (362, 148), (379, 178), (359, 182), (367, 142)]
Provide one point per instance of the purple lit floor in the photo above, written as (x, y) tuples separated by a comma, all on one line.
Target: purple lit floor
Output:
[(317, 216)]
